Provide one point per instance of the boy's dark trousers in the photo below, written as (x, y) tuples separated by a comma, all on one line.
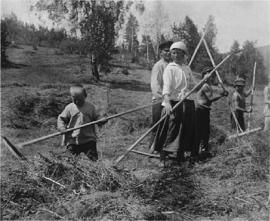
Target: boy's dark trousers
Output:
[(203, 127), (89, 149), (240, 118)]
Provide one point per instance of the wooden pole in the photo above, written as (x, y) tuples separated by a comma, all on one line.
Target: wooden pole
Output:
[(23, 159), (244, 133), (198, 46), (213, 62), (145, 154), (222, 85), (84, 125), (252, 93), (120, 158)]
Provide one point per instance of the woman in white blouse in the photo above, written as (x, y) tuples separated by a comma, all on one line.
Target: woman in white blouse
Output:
[(177, 133)]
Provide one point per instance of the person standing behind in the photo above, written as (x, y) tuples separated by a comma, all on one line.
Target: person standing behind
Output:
[(94, 67), (176, 133), (239, 104), (75, 114), (157, 83), (205, 98), (266, 110)]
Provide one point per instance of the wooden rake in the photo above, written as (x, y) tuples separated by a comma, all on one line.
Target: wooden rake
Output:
[(252, 93), (223, 87), (130, 149), (242, 133), (14, 148)]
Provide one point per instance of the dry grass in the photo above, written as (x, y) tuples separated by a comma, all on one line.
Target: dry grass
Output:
[(232, 184), (92, 191), (35, 109)]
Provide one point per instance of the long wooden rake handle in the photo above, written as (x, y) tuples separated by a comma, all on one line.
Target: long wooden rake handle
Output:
[(252, 94), (213, 62), (120, 158), (244, 133), (84, 125), (222, 85), (198, 46), (13, 149)]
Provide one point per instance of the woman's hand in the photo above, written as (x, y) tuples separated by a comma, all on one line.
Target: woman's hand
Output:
[(168, 106)]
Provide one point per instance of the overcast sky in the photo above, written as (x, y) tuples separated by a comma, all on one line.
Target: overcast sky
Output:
[(235, 20)]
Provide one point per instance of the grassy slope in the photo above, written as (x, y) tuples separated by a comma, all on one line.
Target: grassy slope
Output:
[(232, 184)]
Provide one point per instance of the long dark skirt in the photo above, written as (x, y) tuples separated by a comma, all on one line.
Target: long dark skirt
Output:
[(177, 133), (156, 113)]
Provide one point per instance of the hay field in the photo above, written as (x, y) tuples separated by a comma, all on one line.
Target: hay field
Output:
[(231, 185)]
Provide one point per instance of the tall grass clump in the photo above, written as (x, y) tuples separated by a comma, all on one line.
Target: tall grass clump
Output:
[(34, 109)]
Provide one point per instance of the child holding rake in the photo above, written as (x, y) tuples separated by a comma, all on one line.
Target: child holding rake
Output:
[(75, 114)]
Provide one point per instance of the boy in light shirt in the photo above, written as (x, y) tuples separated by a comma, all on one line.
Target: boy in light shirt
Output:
[(75, 114), (239, 104), (205, 98)]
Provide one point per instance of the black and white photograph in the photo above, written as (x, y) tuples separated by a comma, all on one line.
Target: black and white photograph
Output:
[(135, 110)]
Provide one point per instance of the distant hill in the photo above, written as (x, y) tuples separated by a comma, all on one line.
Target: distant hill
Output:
[(265, 52)]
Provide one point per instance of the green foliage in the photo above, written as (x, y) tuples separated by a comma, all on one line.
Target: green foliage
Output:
[(147, 49), (210, 38), (4, 43), (23, 33), (246, 63), (97, 21), (188, 32), (242, 64), (131, 33), (98, 31)]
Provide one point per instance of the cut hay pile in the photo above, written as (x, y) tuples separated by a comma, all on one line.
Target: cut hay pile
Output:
[(235, 182), (232, 184), (91, 191)]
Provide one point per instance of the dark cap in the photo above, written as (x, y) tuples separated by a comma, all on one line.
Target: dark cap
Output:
[(166, 44), (239, 82)]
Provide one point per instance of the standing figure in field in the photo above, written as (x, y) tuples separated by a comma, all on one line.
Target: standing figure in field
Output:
[(75, 114), (239, 104), (157, 83), (176, 133), (266, 111), (94, 67), (205, 98)]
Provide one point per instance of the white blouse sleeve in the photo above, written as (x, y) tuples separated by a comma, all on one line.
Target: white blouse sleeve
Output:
[(167, 80)]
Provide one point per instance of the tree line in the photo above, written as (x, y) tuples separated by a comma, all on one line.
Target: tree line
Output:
[(94, 26)]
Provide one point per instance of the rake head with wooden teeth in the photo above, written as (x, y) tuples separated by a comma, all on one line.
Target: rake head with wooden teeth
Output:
[(13, 149)]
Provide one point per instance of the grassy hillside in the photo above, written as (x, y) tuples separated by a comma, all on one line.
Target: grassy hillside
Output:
[(232, 184)]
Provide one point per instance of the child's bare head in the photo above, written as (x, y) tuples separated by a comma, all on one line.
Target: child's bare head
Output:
[(78, 94)]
